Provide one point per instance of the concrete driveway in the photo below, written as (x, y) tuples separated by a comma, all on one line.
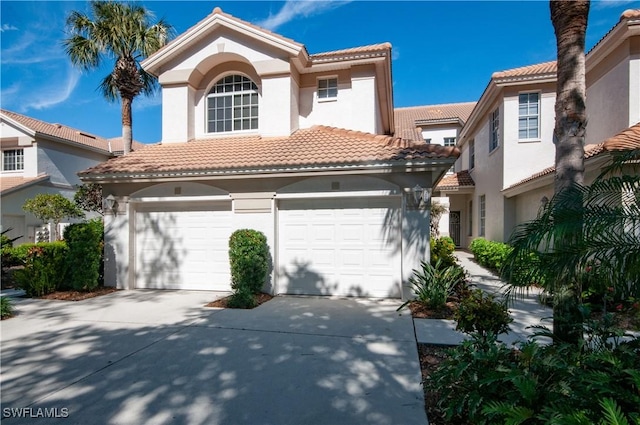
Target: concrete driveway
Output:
[(156, 357)]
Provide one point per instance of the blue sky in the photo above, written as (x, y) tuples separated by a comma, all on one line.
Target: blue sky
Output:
[(443, 52)]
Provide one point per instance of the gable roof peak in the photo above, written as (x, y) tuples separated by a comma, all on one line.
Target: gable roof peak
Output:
[(217, 9), (630, 14)]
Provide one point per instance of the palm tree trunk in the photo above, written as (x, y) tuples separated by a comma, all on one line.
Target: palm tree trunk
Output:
[(127, 134), (570, 24), (569, 20)]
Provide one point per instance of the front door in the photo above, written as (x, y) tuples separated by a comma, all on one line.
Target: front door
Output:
[(454, 226)]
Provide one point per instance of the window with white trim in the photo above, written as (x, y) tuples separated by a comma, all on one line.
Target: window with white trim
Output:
[(472, 154), (482, 214), (528, 116), (328, 88), (449, 141), (494, 127), (232, 105), (13, 159)]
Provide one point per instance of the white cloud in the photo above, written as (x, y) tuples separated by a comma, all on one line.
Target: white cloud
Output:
[(293, 9), (143, 102), (7, 27), (46, 97), (12, 90)]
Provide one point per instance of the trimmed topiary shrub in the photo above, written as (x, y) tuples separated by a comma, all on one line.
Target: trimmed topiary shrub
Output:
[(45, 269), (85, 258), (249, 258)]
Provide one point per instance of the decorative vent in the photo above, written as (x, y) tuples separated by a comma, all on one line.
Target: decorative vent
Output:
[(335, 185), (177, 190)]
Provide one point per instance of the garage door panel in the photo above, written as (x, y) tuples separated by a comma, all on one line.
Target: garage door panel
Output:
[(183, 249), (342, 247)]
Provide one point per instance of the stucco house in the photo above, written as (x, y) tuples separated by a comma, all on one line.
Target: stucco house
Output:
[(40, 157), (258, 133), (505, 170)]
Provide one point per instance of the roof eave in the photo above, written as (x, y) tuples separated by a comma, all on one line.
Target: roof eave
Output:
[(10, 190), (427, 164)]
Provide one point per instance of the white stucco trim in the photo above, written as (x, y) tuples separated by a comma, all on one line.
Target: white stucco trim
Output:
[(181, 198), (353, 194)]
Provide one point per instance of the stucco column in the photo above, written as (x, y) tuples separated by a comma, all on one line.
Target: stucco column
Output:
[(415, 239), (116, 245)]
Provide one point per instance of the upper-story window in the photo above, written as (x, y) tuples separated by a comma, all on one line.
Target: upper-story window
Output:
[(232, 105), (494, 127), (472, 154), (529, 116), (482, 214), (449, 141), (13, 160), (328, 88)]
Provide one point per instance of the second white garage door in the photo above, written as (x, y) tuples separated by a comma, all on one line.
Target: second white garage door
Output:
[(342, 247), (178, 249)]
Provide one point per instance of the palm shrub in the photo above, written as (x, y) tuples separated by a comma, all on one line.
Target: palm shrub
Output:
[(249, 258), (434, 284), (580, 228), (85, 255), (45, 269)]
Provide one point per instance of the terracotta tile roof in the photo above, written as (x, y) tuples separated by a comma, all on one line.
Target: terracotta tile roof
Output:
[(318, 146), (353, 52), (540, 69), (630, 14), (628, 139), (461, 179), (406, 119), (58, 130), (10, 184), (117, 146), (589, 152)]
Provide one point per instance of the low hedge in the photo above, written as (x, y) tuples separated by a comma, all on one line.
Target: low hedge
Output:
[(493, 255), (490, 254)]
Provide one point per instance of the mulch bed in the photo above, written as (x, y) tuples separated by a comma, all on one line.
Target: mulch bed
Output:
[(222, 302), (430, 357), (79, 295), (421, 311)]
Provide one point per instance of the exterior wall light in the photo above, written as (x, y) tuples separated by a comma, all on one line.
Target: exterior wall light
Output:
[(421, 194), (110, 204)]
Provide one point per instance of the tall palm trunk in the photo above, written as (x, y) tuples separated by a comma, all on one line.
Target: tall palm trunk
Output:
[(569, 20), (127, 118)]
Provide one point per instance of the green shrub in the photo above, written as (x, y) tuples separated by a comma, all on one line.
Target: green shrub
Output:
[(85, 256), (6, 307), (434, 284), (242, 298), (17, 255), (483, 382), (490, 254), (442, 250), (45, 269), (249, 258), (481, 314)]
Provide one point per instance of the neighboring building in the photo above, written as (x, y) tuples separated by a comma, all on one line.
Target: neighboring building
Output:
[(505, 170), (258, 133), (39, 157)]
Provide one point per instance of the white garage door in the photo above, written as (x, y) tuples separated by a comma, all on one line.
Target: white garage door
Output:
[(343, 247), (183, 249)]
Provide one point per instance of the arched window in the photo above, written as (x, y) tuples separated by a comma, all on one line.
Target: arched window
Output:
[(232, 105)]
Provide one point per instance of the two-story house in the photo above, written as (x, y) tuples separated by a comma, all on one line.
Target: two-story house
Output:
[(505, 170), (258, 133), (40, 157)]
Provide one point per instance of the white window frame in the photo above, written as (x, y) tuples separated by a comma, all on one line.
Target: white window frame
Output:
[(449, 141), (470, 232), (494, 130), (240, 108), (529, 115), (482, 211), (327, 88), (17, 160), (472, 154)]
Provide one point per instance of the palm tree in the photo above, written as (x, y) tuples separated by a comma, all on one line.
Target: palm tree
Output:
[(121, 32), (569, 20)]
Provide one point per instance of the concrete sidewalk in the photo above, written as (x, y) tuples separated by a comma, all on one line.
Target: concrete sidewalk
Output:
[(525, 310)]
